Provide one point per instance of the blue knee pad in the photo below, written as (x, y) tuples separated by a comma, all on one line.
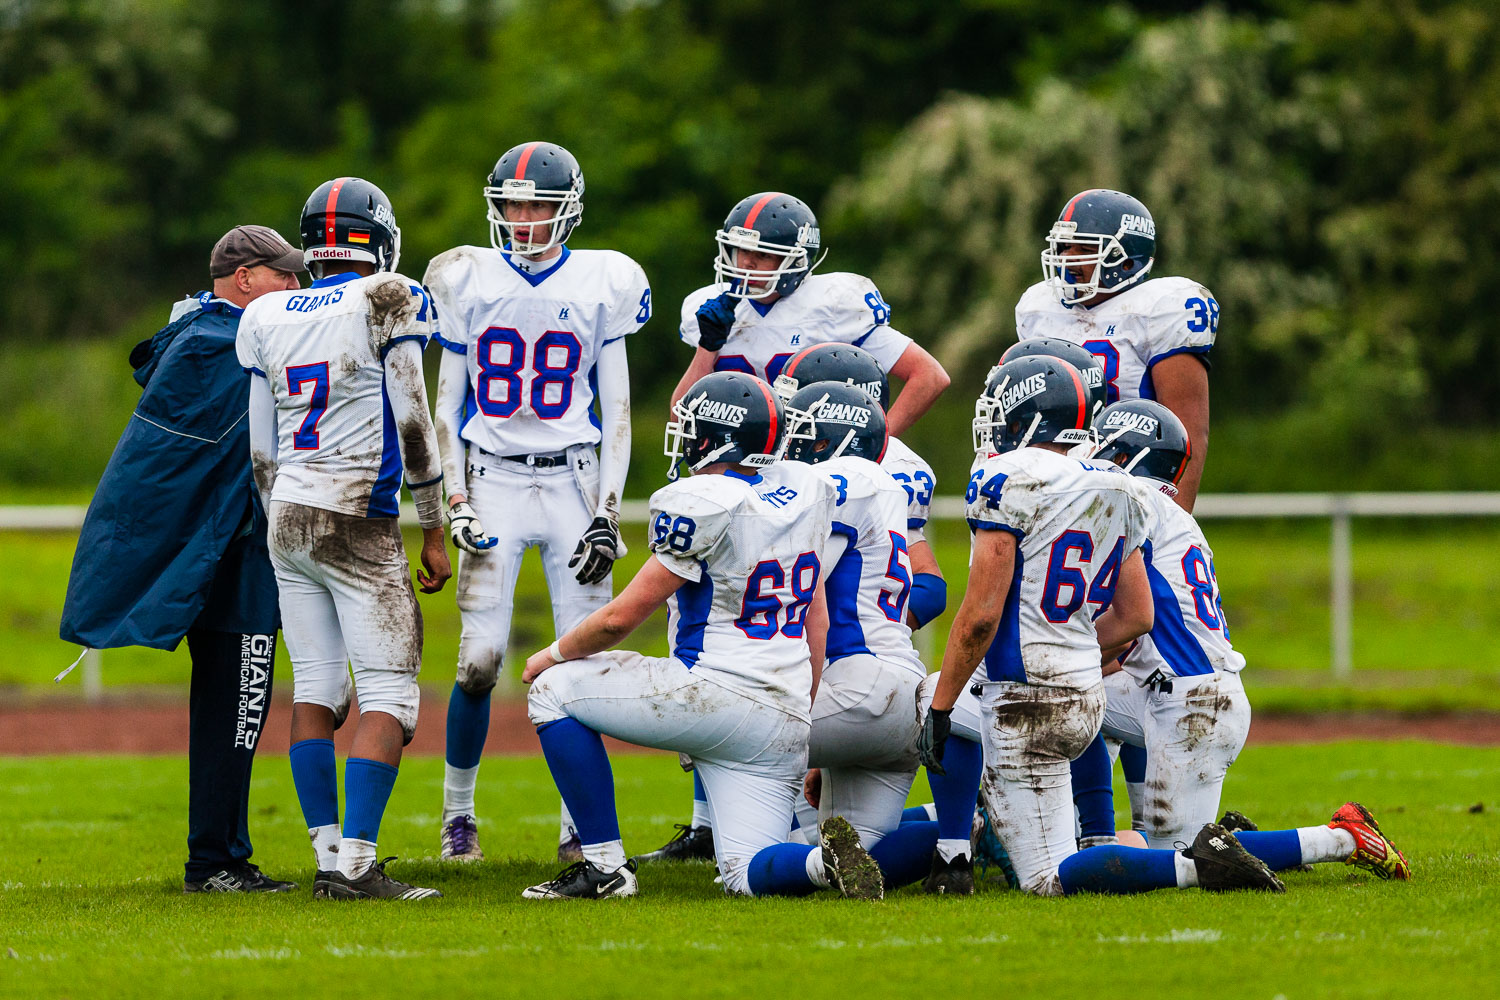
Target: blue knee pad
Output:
[(1093, 793)]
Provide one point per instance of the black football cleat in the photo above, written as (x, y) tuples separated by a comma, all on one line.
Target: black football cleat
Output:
[(691, 843), (244, 877), (583, 880), (849, 867), (1223, 864), (373, 884), (950, 878)]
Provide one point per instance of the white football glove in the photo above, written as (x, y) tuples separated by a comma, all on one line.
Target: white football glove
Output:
[(597, 550), (463, 526)]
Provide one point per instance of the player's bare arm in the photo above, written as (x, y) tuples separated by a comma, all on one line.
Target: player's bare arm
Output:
[(417, 440), (1182, 386), (611, 624), (978, 615), (923, 381), (817, 635), (1131, 613)]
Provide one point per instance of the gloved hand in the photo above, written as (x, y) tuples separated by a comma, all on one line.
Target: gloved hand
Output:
[(933, 737), (463, 526), (599, 547), (715, 317)]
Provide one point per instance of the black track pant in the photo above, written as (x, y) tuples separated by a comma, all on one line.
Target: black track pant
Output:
[(231, 696)]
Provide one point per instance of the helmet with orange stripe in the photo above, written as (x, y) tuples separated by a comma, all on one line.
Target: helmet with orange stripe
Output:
[(1144, 438), (533, 198), (1103, 242), (833, 362), (726, 417), (349, 219), (1032, 400), (767, 246)]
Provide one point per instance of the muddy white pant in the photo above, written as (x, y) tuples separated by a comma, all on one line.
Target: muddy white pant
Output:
[(864, 729), (751, 756), (1191, 735), (523, 506), (347, 602), (1030, 735)]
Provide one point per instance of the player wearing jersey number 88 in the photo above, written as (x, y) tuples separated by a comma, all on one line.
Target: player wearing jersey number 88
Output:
[(534, 335), (337, 410), (1152, 334), (746, 645)]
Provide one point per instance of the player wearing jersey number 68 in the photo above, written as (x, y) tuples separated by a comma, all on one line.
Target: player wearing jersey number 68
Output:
[(534, 333), (338, 408)]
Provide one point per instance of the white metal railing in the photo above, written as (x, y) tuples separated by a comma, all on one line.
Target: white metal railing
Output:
[(1339, 508)]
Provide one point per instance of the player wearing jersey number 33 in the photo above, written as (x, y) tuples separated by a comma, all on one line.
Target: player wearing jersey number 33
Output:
[(338, 409), (534, 334)]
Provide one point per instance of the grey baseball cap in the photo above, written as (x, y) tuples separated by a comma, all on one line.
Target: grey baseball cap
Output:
[(248, 246)]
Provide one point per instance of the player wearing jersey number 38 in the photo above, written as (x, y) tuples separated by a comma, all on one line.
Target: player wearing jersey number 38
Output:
[(338, 409), (534, 335)]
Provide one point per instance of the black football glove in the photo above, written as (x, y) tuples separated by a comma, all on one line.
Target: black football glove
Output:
[(463, 527), (715, 317), (933, 738), (597, 550)]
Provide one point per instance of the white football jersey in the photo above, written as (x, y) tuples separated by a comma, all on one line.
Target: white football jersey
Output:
[(869, 581), (916, 477), (752, 551), (532, 341), (838, 307), (1075, 523), (322, 349), (1129, 333), (1190, 635)]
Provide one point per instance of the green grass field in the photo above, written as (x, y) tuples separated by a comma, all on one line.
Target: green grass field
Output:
[(90, 854), (1427, 599)]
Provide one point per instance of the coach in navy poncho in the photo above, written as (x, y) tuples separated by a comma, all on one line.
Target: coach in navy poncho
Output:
[(174, 545)]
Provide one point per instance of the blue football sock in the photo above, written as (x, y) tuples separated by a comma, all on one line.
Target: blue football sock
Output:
[(1133, 763), (905, 854), (915, 814), (699, 795), (1093, 791), (1118, 870), (468, 726), (796, 823), (956, 793), (315, 773), (580, 769), (367, 788), (1279, 849), (781, 870)]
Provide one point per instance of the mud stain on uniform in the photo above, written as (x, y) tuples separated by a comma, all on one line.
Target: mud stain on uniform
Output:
[(392, 309)]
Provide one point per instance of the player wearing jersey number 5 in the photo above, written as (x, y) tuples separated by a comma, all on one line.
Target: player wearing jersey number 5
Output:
[(338, 409), (534, 333), (1153, 335), (767, 305)]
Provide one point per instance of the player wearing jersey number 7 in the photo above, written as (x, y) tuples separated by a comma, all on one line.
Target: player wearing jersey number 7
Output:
[(534, 335)]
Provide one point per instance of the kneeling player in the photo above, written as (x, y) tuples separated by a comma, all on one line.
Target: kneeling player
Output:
[(738, 553), (1056, 574), (863, 728)]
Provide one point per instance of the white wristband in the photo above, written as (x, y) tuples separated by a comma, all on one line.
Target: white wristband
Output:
[(555, 651)]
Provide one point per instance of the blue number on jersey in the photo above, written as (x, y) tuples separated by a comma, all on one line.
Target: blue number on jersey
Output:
[(1102, 590), (925, 496), (547, 371), (676, 534), (1108, 355), (893, 601), (1205, 314), (842, 485), (1059, 574), (645, 311), (508, 372), (760, 612), (878, 308), (306, 437), (1200, 578)]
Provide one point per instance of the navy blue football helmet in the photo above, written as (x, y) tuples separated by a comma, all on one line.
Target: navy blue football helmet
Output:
[(726, 417), (1031, 400), (770, 223), (348, 219), (1104, 241), (828, 419), (534, 171), (1087, 363), (1144, 438), (834, 363)]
